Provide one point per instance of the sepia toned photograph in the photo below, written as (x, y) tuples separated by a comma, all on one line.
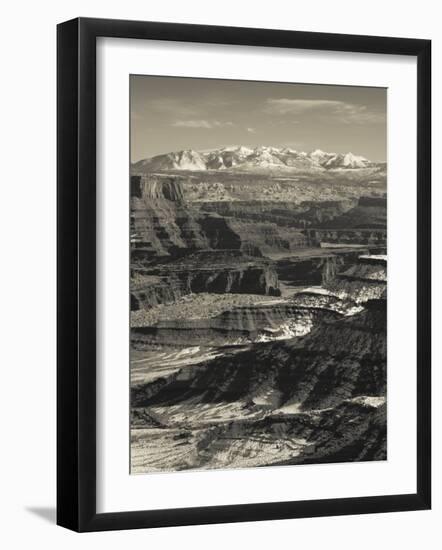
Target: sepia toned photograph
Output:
[(258, 274)]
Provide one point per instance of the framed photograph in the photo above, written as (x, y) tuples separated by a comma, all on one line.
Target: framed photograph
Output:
[(230, 201)]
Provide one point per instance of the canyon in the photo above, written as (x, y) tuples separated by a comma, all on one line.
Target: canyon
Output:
[(258, 286)]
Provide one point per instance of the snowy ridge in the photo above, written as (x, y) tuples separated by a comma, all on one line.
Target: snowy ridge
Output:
[(258, 158)]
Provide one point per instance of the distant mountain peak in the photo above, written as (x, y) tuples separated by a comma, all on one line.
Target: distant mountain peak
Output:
[(260, 158)]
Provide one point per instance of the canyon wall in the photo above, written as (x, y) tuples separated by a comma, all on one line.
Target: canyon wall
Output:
[(341, 358), (238, 326)]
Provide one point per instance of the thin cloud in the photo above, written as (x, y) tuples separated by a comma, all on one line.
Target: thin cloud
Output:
[(348, 113), (172, 107), (251, 130), (296, 106), (201, 124), (178, 108)]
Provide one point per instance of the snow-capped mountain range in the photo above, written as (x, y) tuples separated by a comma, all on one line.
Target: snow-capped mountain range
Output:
[(257, 159)]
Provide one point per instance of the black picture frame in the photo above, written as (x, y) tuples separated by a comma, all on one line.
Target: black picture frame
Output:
[(76, 274)]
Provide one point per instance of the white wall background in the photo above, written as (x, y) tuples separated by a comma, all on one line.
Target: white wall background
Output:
[(27, 289)]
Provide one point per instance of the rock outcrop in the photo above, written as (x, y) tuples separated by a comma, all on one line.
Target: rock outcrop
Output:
[(367, 280), (369, 213), (157, 188), (315, 268), (242, 325), (300, 215), (355, 430), (369, 237), (149, 290), (222, 271), (339, 359), (316, 398), (163, 225), (167, 219)]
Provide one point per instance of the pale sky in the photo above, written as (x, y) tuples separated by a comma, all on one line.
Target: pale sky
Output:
[(171, 114)]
